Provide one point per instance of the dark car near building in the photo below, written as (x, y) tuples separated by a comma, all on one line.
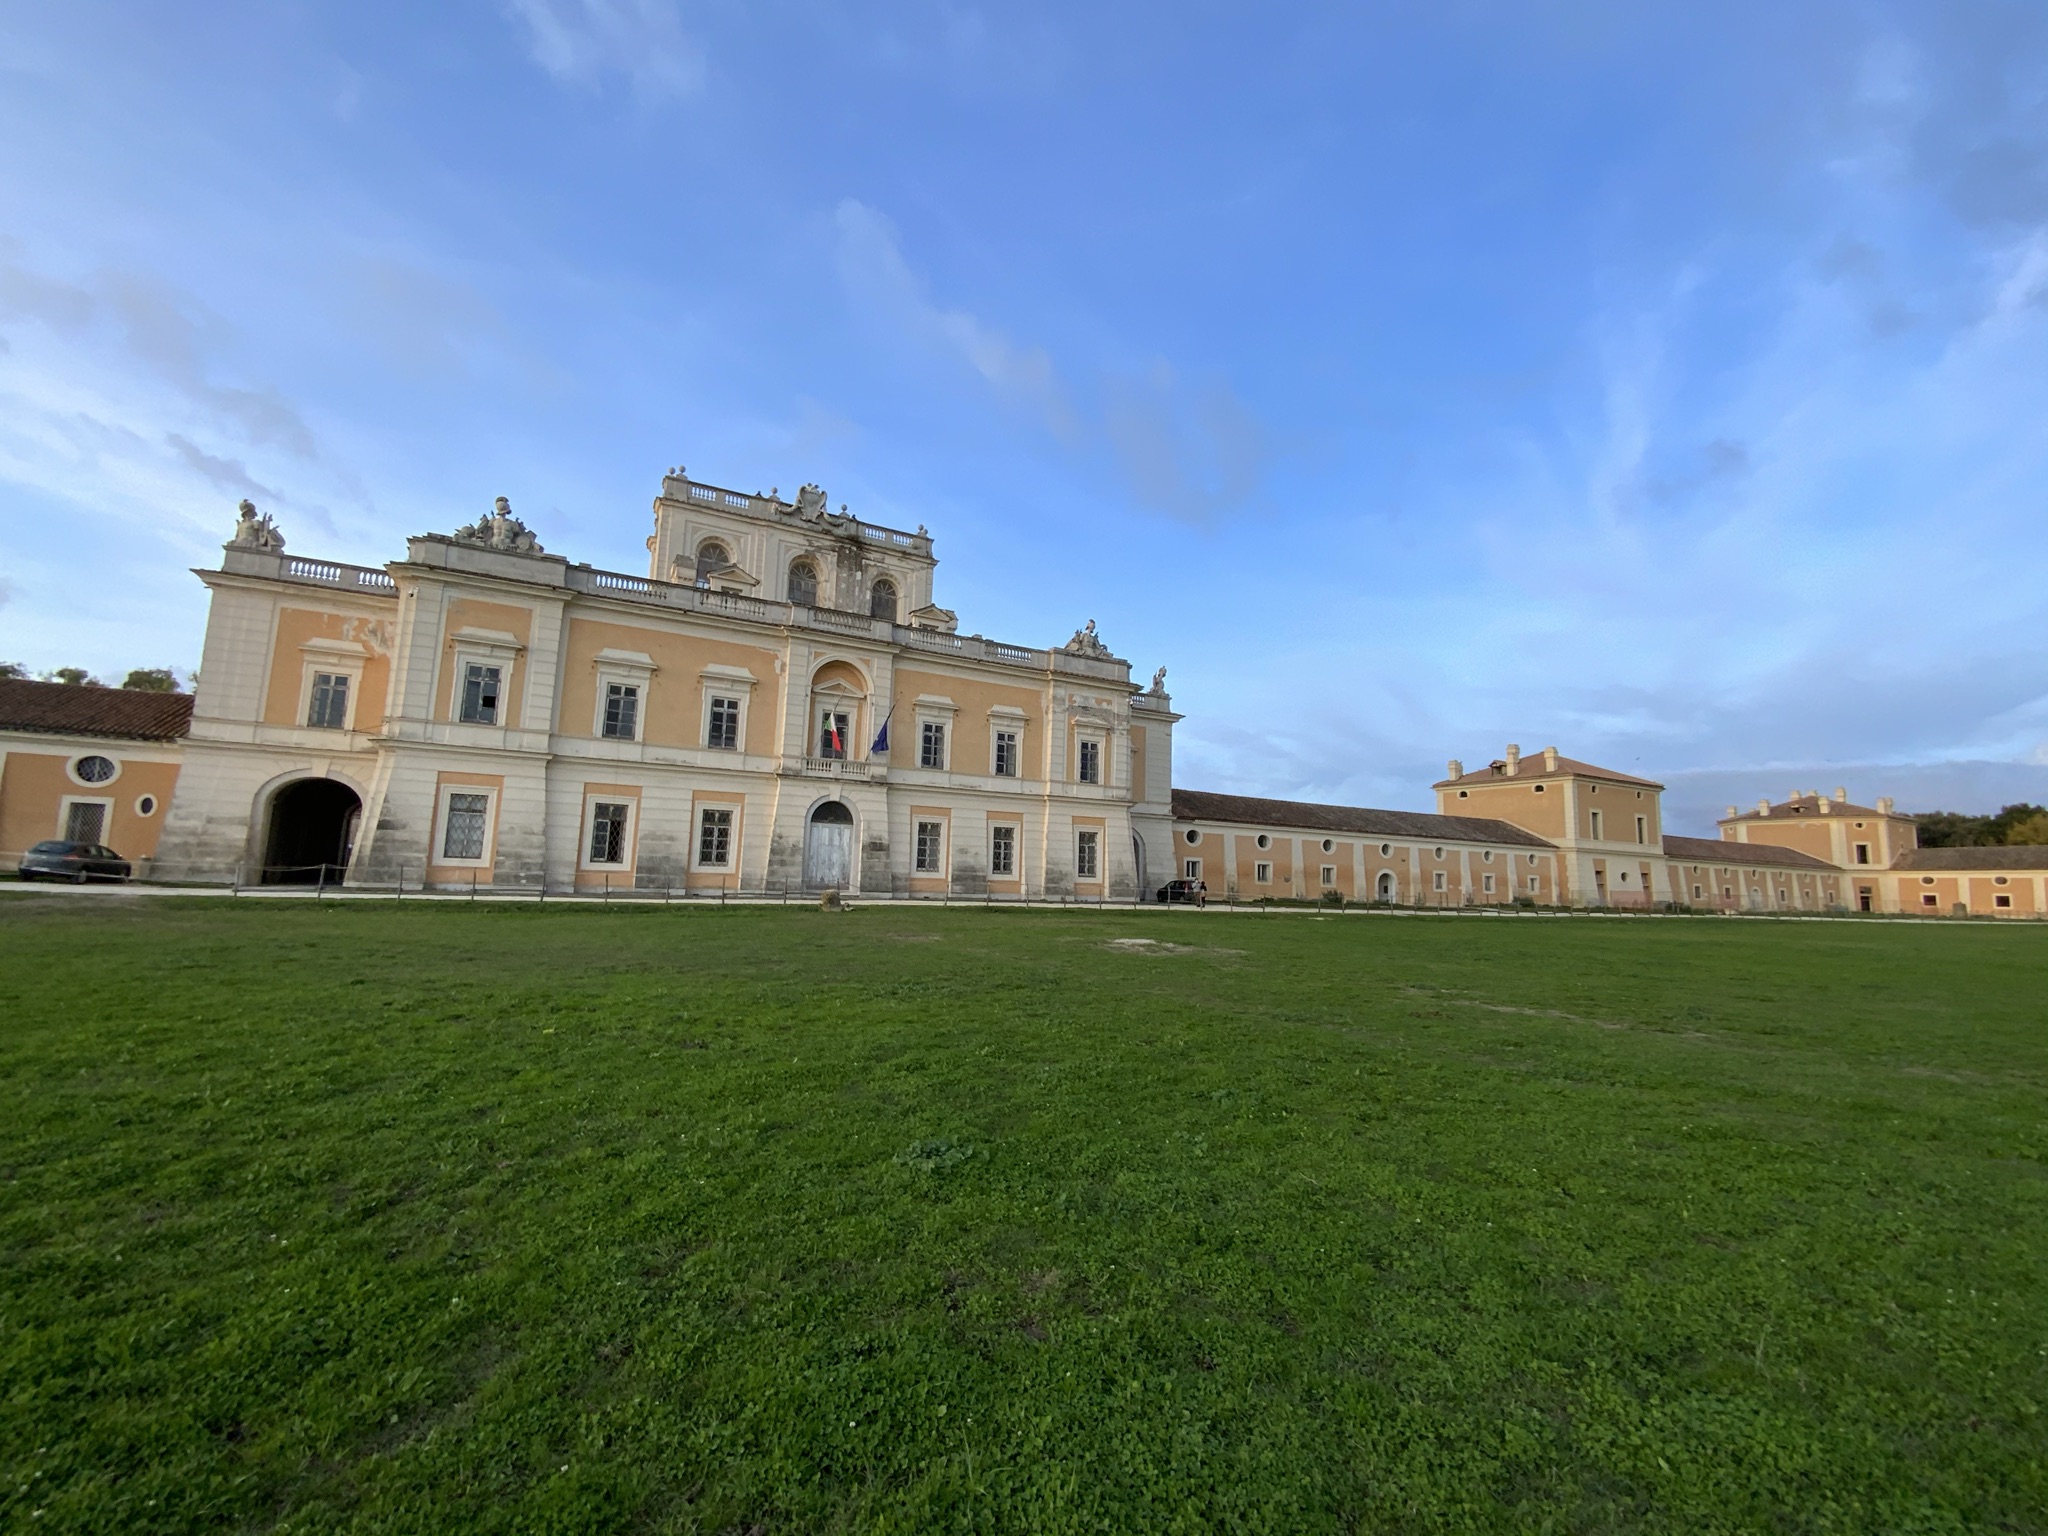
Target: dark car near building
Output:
[(76, 862), (1194, 892)]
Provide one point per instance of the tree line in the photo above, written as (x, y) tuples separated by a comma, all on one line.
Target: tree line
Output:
[(2021, 824), (142, 679)]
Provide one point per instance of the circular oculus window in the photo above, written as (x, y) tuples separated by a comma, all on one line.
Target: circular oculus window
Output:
[(146, 805), (1265, 841), (1192, 836), (1329, 844), (94, 770)]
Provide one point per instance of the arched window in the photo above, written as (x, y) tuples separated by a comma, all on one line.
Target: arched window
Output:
[(882, 601), (711, 556), (803, 583)]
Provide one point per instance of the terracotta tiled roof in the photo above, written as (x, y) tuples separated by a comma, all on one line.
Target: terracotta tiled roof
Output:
[(1931, 860), (1810, 805), (1246, 810), (1711, 850), (1530, 766), (68, 709)]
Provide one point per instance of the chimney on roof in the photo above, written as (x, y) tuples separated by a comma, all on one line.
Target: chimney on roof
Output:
[(1884, 805), (1841, 795), (1763, 807), (1456, 769), (1733, 812), (1550, 759), (1514, 758)]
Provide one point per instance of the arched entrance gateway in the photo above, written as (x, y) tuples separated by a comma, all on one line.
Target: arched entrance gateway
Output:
[(828, 848), (312, 829)]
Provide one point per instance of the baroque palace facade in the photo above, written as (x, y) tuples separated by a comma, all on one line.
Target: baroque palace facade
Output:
[(780, 705)]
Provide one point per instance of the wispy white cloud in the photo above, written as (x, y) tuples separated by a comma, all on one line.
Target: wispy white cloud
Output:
[(872, 266), (587, 42)]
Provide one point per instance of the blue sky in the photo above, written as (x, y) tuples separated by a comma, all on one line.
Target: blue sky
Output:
[(1665, 382)]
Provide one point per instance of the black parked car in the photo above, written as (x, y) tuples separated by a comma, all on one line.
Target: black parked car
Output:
[(1194, 892), (76, 862)]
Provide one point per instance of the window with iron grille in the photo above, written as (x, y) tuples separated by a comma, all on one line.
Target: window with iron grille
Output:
[(931, 838), (1002, 850), (1088, 855), (931, 746), (1006, 754), (1091, 762), (608, 832), (714, 839), (480, 694), (464, 835), (724, 731), (328, 710), (621, 711)]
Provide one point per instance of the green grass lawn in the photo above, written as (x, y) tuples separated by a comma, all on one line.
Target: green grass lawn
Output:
[(433, 1218)]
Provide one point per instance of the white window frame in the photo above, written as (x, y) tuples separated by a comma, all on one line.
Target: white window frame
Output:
[(1486, 884), (1329, 877), (934, 709), (1006, 718), (1439, 880), (628, 841), (938, 869), (723, 682), (732, 808), (1262, 872), (338, 658), (441, 811), (1015, 871), (623, 669), (1088, 837), (1191, 869), (2001, 899), (1535, 882), (1862, 852), (1099, 740), (930, 734), (71, 772), (1643, 830), (1598, 825), (484, 648), (104, 802)]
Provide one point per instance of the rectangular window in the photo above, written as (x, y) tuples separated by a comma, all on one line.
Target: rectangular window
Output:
[(464, 838), (724, 731), (931, 745), (1436, 881), (1006, 754), (1262, 874), (1535, 882), (1330, 876), (1088, 855), (1929, 899), (329, 709), (1002, 850), (85, 822), (1191, 869), (608, 832), (2001, 900), (621, 711), (931, 847), (1863, 853), (1091, 762), (1596, 826), (1486, 884), (714, 839), (480, 694), (1696, 893), (1727, 893), (1642, 829), (832, 734)]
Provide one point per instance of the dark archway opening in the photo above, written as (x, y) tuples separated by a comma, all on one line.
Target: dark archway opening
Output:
[(312, 829)]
